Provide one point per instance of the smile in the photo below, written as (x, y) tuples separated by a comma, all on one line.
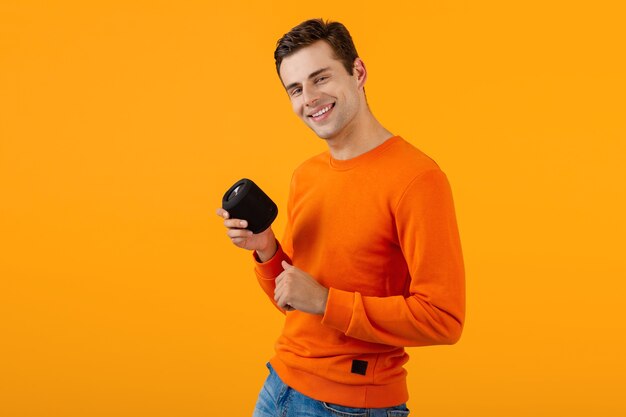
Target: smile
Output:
[(321, 112)]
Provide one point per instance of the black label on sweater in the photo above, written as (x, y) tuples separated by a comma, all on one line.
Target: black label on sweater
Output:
[(359, 367)]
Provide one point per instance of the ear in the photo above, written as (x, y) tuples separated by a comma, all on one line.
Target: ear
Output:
[(360, 72)]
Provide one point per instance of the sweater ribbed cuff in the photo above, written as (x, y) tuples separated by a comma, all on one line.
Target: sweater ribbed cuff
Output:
[(271, 268), (338, 309)]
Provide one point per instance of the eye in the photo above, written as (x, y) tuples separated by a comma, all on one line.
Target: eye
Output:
[(295, 91), (320, 79)]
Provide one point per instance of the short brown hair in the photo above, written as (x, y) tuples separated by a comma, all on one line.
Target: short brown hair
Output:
[(313, 30)]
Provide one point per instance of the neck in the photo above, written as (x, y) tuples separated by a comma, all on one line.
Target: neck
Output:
[(357, 138)]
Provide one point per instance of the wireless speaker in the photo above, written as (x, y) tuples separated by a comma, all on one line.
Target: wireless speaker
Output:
[(246, 201)]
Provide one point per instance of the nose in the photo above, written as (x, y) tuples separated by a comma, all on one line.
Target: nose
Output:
[(310, 95)]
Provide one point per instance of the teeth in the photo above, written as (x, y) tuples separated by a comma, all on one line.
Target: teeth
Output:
[(324, 110)]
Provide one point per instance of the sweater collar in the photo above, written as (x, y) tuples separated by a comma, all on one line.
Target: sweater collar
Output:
[(344, 164)]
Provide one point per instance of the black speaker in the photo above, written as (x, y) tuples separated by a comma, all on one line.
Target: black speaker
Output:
[(246, 201)]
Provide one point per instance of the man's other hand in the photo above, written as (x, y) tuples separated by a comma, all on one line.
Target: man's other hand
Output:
[(295, 289)]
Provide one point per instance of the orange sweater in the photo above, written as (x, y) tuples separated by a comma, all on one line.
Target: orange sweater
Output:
[(380, 232)]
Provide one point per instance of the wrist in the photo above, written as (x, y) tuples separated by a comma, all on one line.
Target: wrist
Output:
[(269, 251)]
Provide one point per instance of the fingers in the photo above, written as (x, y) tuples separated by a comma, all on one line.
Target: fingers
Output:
[(279, 292), (239, 237), (241, 242), (236, 233), (281, 301), (222, 213), (235, 224), (231, 223)]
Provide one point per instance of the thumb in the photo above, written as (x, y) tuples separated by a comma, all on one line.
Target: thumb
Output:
[(285, 265)]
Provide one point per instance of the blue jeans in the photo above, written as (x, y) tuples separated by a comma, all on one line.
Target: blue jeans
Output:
[(278, 400)]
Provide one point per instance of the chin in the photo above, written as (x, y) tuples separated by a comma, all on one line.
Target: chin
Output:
[(323, 133)]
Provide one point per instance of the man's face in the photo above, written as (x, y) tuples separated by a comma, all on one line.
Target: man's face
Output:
[(321, 91)]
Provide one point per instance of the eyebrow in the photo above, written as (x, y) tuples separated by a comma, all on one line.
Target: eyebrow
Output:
[(311, 75)]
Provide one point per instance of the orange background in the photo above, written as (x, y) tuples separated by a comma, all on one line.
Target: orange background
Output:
[(122, 124)]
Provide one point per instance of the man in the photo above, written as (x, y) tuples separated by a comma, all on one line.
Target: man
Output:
[(370, 261)]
